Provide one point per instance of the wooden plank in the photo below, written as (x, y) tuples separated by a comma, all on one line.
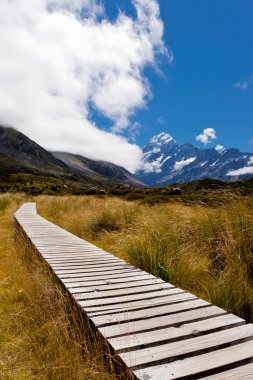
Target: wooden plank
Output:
[(59, 248), (65, 262), (81, 260), (75, 253), (193, 346), (198, 364), (112, 277), (90, 270), (158, 322), (189, 303), (174, 296), (80, 254), (170, 334), (112, 281), (104, 286), (104, 274), (95, 292), (243, 372), (99, 307), (67, 256), (84, 265)]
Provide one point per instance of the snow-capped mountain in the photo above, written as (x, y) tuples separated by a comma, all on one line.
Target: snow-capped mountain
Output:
[(166, 161)]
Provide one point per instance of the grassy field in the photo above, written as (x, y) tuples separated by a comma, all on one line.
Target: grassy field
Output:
[(202, 249), (205, 250)]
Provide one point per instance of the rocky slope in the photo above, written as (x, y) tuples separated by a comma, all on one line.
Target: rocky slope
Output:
[(102, 168), (19, 154)]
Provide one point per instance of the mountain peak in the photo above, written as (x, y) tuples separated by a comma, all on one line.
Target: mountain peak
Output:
[(161, 138), (166, 161)]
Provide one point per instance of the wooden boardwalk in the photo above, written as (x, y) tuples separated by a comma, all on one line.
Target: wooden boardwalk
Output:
[(158, 331)]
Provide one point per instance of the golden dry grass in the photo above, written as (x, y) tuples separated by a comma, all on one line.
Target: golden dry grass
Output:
[(41, 336), (208, 251), (204, 250)]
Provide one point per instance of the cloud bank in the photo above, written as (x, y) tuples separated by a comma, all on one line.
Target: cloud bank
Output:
[(207, 136), (242, 171), (61, 59)]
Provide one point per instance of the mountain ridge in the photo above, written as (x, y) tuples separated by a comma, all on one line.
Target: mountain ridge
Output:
[(167, 162), (19, 154)]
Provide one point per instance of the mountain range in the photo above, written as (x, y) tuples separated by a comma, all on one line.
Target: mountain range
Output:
[(167, 162), (20, 157), (23, 161)]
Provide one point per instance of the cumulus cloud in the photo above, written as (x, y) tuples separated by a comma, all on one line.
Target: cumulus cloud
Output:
[(242, 171), (207, 136), (219, 148), (244, 84), (61, 59)]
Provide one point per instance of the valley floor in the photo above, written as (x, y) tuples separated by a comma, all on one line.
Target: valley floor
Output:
[(202, 249)]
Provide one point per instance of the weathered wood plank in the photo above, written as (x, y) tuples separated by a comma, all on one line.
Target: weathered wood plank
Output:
[(85, 269), (154, 337), (112, 277), (103, 274), (79, 254), (98, 293), (68, 263), (244, 372), (171, 351), (111, 281), (143, 303), (189, 303), (158, 322), (99, 275), (198, 364)]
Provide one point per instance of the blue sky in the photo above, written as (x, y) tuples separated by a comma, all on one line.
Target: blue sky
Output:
[(212, 43), (96, 77)]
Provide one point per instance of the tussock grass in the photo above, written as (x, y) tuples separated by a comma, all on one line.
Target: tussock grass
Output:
[(42, 335), (205, 250), (208, 251)]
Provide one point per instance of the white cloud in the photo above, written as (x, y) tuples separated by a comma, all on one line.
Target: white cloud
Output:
[(207, 136), (244, 84), (242, 171), (56, 64), (180, 164), (87, 8), (219, 148), (161, 120)]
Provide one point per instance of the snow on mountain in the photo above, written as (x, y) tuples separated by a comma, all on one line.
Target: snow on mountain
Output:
[(180, 164), (166, 161)]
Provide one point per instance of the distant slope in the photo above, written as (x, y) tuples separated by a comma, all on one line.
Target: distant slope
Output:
[(105, 169), (20, 155), (168, 162), (20, 148)]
